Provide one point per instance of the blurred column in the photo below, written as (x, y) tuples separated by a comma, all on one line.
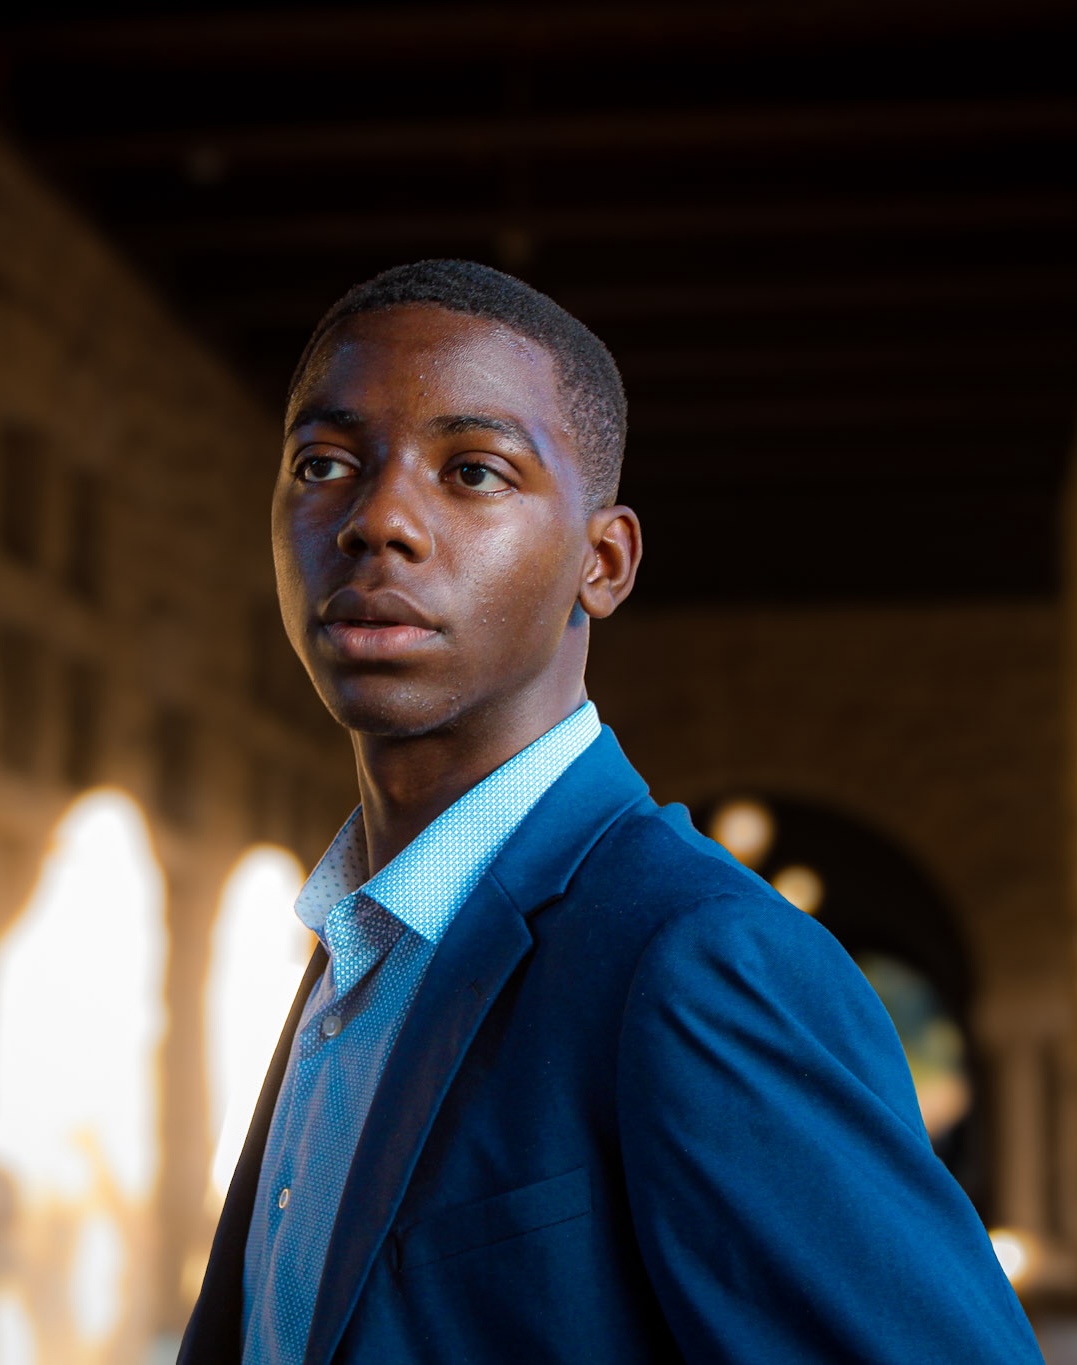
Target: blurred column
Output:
[(1026, 1036), (1067, 1178), (1021, 1110), (1067, 1142), (184, 1220)]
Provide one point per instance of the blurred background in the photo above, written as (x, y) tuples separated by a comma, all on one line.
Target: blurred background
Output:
[(831, 245)]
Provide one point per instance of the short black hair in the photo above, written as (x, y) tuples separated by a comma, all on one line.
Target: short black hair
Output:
[(589, 381)]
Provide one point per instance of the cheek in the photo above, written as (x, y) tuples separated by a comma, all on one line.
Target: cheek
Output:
[(298, 549), (291, 596), (285, 561), (523, 579), (304, 533)]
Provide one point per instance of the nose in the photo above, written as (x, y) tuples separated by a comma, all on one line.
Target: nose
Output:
[(388, 515)]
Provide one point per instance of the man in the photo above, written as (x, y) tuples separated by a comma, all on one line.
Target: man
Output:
[(571, 1084)]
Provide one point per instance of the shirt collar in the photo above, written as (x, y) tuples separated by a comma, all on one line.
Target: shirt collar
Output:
[(427, 883)]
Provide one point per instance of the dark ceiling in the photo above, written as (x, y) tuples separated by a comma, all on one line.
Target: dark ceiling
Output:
[(832, 245)]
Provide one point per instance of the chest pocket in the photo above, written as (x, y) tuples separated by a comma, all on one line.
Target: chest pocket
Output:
[(512, 1214)]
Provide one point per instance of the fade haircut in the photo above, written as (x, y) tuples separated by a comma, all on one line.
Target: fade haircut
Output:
[(589, 382)]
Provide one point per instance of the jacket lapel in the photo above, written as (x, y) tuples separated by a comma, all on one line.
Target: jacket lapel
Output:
[(481, 949)]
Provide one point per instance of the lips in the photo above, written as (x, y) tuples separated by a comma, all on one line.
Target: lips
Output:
[(379, 625), (383, 607)]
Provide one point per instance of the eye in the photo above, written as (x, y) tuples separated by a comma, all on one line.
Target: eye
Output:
[(474, 474), (323, 469)]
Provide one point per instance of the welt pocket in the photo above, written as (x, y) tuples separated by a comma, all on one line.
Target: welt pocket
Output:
[(526, 1209)]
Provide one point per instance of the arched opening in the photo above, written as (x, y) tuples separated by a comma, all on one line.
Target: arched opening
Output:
[(894, 922)]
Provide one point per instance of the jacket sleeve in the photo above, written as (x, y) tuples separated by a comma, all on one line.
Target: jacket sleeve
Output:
[(785, 1195)]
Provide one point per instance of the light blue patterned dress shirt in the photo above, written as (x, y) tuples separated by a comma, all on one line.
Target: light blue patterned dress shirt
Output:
[(380, 935)]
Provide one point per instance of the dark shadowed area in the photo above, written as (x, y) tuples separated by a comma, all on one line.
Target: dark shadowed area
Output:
[(831, 244)]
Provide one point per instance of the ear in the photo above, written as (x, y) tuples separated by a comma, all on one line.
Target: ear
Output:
[(610, 571)]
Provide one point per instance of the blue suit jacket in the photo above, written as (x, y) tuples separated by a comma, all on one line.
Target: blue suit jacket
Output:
[(642, 1109)]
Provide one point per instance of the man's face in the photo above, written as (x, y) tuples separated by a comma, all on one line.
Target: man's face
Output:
[(430, 528)]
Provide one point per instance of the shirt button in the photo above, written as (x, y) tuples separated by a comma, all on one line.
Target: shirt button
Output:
[(283, 1197), (331, 1025)]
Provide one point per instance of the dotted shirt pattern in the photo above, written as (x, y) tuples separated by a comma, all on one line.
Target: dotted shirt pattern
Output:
[(381, 934)]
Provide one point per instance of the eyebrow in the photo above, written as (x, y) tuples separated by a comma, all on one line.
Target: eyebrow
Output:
[(459, 424), (341, 418), (462, 423)]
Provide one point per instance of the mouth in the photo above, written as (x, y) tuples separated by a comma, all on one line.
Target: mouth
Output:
[(360, 641), (374, 626)]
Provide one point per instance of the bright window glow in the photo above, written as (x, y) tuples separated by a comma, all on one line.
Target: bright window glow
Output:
[(97, 1269), (745, 828), (16, 1335), (259, 953), (81, 1009), (81, 1019), (801, 886)]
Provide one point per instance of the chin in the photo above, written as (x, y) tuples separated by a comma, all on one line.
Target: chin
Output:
[(392, 711)]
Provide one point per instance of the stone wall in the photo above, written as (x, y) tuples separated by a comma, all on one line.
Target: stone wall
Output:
[(140, 649)]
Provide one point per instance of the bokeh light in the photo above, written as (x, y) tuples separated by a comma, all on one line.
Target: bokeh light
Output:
[(1019, 1253), (745, 828), (801, 886), (933, 1041)]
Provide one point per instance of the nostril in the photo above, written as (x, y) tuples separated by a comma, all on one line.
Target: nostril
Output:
[(351, 540), (389, 515), (411, 541)]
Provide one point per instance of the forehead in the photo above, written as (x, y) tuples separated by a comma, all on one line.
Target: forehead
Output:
[(423, 352)]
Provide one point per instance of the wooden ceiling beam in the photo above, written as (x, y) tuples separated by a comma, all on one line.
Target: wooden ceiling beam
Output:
[(976, 213), (836, 410), (982, 454), (964, 360), (788, 131), (1053, 290), (478, 31), (896, 293)]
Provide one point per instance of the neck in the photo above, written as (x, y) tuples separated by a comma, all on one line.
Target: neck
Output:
[(406, 782)]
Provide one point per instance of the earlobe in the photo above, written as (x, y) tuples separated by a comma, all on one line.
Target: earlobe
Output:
[(616, 546)]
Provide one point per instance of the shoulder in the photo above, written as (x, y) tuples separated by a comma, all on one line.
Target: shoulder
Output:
[(697, 899), (719, 954), (699, 942)]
